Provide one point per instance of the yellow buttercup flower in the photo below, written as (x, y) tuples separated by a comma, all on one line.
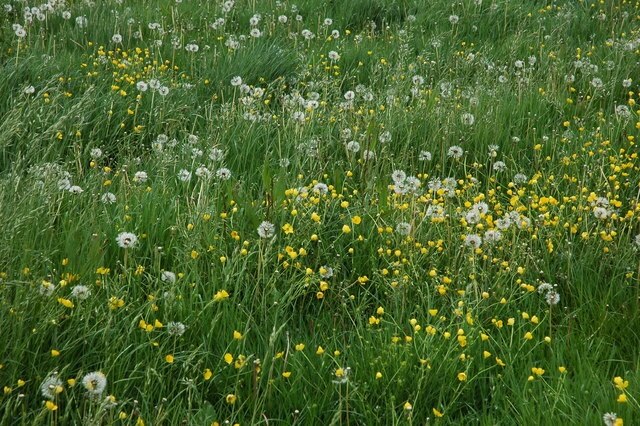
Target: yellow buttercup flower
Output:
[(221, 295), (287, 228), (207, 374)]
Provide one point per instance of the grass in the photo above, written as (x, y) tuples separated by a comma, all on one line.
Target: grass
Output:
[(452, 189)]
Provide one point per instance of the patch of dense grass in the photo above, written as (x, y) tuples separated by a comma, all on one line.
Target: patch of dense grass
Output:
[(363, 212)]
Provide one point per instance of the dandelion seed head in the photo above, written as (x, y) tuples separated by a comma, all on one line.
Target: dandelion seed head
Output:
[(95, 383), (552, 298), (473, 241), (184, 175), (140, 177), (176, 328), (266, 230), (81, 292), (424, 156), (108, 198), (127, 240), (168, 277), (50, 386), (403, 228), (455, 152), (223, 173), (610, 419)]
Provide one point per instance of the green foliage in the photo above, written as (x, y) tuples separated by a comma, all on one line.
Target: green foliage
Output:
[(431, 177)]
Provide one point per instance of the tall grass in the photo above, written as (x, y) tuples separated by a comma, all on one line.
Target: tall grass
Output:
[(453, 190)]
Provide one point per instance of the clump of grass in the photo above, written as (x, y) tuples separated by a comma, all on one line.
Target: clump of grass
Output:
[(324, 212)]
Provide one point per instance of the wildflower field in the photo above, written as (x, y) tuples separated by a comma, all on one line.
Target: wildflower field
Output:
[(363, 212)]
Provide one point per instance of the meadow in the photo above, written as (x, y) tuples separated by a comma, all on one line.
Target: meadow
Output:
[(364, 212)]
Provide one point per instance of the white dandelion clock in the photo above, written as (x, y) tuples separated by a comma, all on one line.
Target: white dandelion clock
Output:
[(403, 228), (472, 217), (492, 236), (473, 240), (424, 156), (108, 198), (385, 137), (127, 240), (623, 112), (320, 188), (353, 146), (342, 376), (503, 223), (176, 329), (368, 155), (499, 166), (47, 288), (398, 176), (481, 207), (266, 230), (326, 272), (545, 288), (168, 277), (601, 213), (216, 154), (520, 179), (75, 189), (184, 175), (455, 152), (80, 292), (192, 48), (95, 383), (109, 402), (203, 172), (81, 21), (223, 173), (597, 83), (51, 386), (552, 298), (413, 184), (468, 119), (64, 184), (284, 162), (298, 116), (140, 177), (610, 419)]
